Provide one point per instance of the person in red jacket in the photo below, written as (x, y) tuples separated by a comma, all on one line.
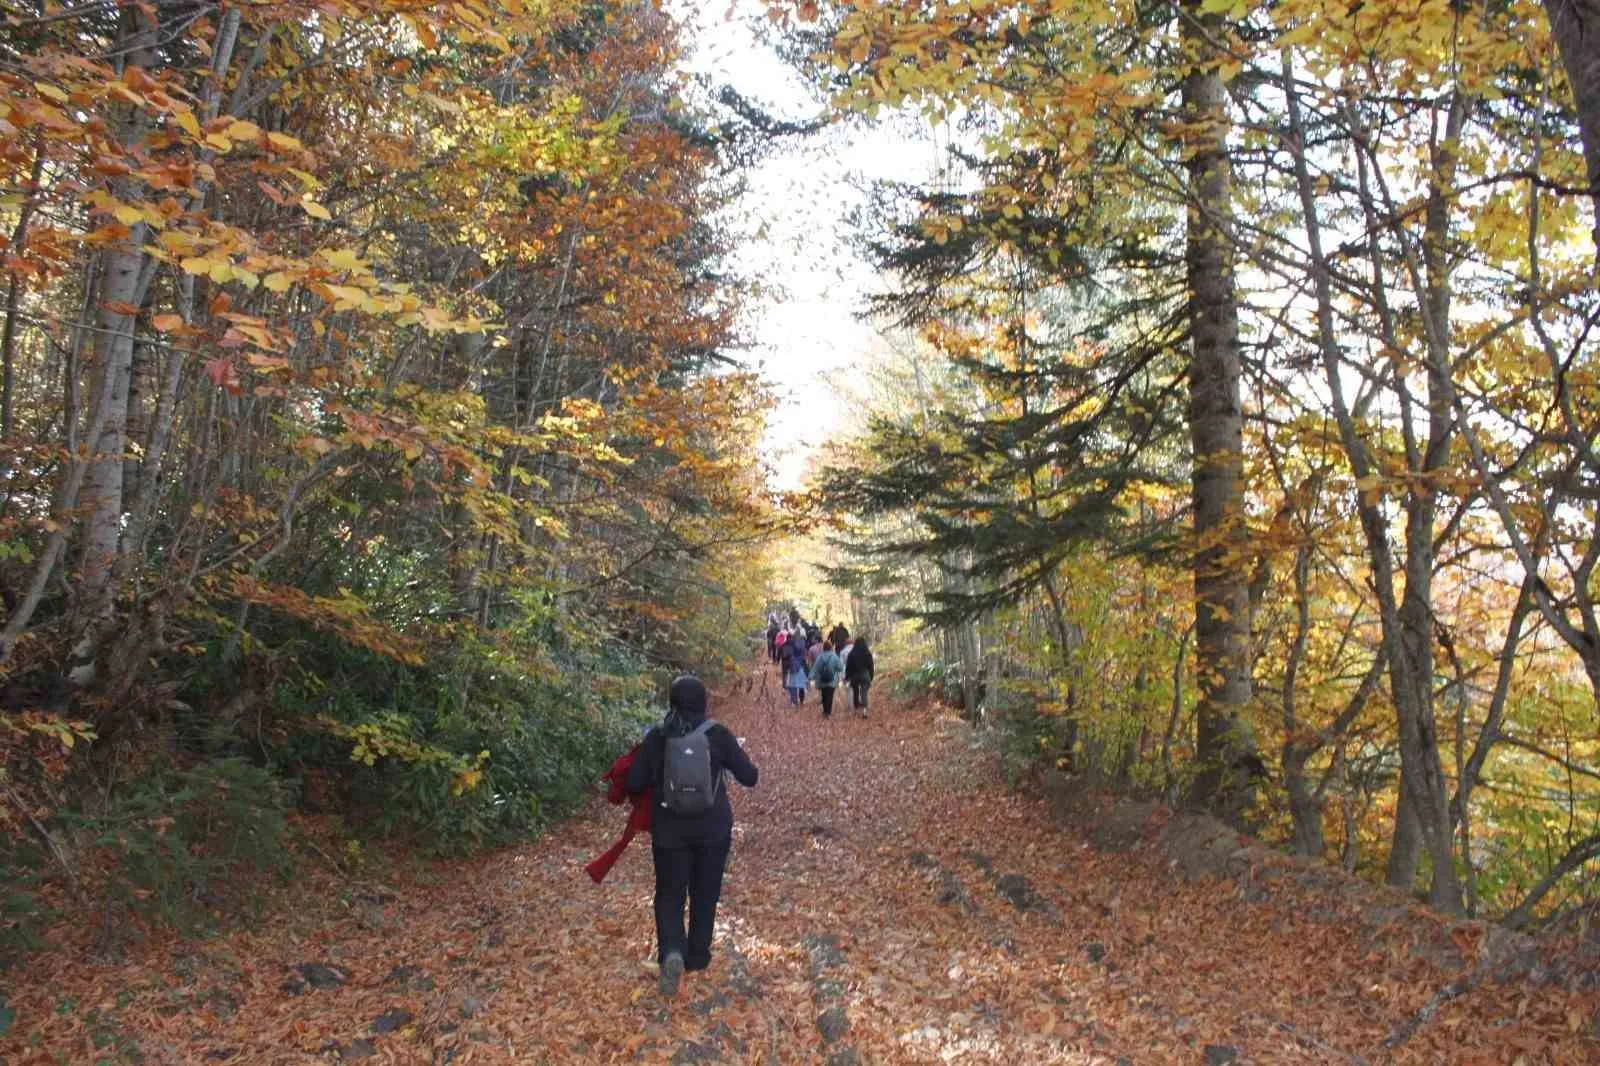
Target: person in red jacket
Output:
[(690, 851)]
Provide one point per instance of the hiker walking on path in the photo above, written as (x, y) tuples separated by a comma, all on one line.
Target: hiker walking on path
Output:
[(826, 672), (692, 828), (772, 637), (858, 672), (793, 655)]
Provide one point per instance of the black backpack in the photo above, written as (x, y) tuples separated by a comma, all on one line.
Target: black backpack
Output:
[(688, 785)]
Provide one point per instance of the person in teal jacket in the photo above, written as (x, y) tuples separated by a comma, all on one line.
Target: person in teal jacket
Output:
[(825, 674), (792, 656)]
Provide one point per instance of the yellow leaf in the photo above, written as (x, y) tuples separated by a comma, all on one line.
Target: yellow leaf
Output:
[(343, 259), (284, 142), (346, 296), (240, 130), (46, 89), (190, 124), (278, 281), (315, 210), (127, 214)]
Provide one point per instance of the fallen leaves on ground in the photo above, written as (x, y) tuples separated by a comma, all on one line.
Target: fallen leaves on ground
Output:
[(887, 900)]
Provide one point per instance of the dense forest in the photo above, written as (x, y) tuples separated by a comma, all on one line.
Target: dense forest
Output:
[(371, 449), (1240, 443), (368, 444)]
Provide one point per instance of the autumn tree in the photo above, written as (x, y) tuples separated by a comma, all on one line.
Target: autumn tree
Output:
[(1393, 199), (365, 407)]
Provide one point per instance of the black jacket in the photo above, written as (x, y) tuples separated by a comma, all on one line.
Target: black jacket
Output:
[(670, 829), (858, 667)]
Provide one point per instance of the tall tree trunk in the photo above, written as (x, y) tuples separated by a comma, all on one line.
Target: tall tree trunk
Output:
[(1411, 666), (126, 275), (102, 490), (1222, 637), (1422, 811), (1575, 24)]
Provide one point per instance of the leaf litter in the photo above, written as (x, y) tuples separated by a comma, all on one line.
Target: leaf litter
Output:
[(887, 900)]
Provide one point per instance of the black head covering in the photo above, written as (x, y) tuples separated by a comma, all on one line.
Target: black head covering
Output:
[(687, 699)]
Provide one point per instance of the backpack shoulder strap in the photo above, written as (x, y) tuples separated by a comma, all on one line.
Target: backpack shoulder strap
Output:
[(704, 729)]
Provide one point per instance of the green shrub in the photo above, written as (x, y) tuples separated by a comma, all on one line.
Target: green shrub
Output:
[(929, 677), (186, 846), (24, 915), (486, 744)]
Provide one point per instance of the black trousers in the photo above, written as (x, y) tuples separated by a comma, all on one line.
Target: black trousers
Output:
[(858, 693), (693, 870), (827, 698)]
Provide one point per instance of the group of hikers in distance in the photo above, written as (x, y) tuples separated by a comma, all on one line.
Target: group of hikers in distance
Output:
[(806, 657)]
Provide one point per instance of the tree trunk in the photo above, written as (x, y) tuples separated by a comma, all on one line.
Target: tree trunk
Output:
[(1405, 847), (126, 277), (1575, 24), (1305, 807), (1422, 811), (147, 486), (1222, 638), (1411, 665), (102, 489), (19, 236), (1422, 780)]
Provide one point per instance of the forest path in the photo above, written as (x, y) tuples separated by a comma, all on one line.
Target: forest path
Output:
[(888, 900)]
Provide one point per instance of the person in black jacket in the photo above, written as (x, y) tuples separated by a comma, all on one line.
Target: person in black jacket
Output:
[(858, 671), (690, 851)]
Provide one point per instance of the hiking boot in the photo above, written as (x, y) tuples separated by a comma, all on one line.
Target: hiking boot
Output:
[(671, 974)]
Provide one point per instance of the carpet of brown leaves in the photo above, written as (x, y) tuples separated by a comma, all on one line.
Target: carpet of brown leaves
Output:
[(888, 900)]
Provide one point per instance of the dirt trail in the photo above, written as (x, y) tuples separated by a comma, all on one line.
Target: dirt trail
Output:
[(887, 901)]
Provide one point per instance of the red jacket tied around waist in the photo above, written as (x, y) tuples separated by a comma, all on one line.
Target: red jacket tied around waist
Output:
[(616, 780)]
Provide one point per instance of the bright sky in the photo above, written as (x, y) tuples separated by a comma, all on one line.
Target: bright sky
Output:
[(793, 220)]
